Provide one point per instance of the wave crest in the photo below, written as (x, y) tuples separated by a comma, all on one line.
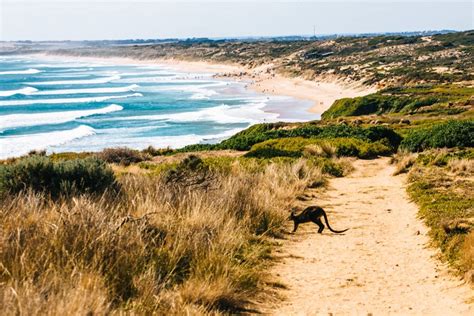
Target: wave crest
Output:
[(11, 146), (30, 71), (35, 119), (24, 91), (224, 114), (66, 82), (132, 87), (68, 100)]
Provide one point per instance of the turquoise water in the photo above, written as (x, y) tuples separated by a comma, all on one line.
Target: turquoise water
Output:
[(78, 105)]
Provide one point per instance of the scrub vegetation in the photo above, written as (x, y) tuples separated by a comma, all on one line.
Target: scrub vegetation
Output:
[(193, 238)]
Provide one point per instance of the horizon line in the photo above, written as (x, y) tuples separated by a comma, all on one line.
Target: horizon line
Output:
[(217, 38)]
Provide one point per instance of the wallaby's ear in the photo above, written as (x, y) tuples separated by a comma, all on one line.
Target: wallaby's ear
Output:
[(292, 213)]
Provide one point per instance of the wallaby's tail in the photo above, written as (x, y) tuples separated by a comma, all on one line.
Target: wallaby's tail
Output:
[(327, 223)]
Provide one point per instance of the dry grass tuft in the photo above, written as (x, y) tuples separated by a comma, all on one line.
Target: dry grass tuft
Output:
[(404, 160), (346, 164), (467, 251), (461, 167), (155, 249), (324, 149)]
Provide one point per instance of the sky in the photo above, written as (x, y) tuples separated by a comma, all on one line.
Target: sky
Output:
[(125, 19)]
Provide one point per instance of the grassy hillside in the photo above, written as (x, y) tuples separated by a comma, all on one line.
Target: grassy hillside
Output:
[(418, 100)]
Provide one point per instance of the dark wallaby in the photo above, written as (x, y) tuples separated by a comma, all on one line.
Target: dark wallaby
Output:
[(312, 214)]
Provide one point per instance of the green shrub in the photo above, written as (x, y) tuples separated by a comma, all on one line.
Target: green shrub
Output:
[(450, 134), (197, 147), (295, 147), (71, 177), (122, 155), (263, 132), (370, 104), (152, 151), (69, 156), (401, 100)]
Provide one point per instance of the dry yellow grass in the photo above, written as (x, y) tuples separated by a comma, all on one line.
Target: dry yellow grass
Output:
[(462, 167), (325, 149), (467, 251), (156, 248), (403, 160)]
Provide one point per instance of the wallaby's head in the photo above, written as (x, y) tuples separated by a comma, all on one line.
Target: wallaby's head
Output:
[(292, 214)]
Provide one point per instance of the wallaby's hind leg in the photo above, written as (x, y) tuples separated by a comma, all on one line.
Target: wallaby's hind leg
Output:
[(295, 227), (318, 222)]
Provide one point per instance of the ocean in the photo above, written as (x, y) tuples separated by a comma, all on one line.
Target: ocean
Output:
[(72, 104)]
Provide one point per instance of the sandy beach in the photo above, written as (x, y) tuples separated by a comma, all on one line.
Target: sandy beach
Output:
[(321, 93)]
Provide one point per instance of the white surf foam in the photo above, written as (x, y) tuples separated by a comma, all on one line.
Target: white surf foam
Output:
[(24, 91), (11, 146), (161, 73), (163, 79), (199, 91), (103, 140), (20, 72), (224, 114), (67, 100), (21, 120), (132, 87), (85, 81)]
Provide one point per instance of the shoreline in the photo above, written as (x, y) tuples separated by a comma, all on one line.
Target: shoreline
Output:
[(262, 79)]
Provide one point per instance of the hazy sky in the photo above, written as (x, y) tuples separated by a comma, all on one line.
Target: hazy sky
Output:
[(87, 19)]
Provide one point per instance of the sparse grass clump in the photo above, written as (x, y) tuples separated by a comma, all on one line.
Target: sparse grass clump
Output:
[(323, 149), (155, 249), (461, 166), (404, 160), (444, 193)]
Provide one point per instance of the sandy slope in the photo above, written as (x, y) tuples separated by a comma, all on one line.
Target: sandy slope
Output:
[(382, 265)]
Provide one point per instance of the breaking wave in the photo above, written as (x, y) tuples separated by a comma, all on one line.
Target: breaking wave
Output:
[(67, 100), (35, 119), (19, 145), (30, 71), (24, 91)]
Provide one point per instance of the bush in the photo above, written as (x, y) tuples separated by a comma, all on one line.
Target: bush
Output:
[(41, 174), (152, 151), (400, 100), (122, 155), (298, 146), (263, 132), (197, 147), (450, 134)]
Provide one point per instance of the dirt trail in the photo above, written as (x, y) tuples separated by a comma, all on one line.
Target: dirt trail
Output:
[(382, 265)]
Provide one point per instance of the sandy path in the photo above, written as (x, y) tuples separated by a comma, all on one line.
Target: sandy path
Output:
[(380, 266)]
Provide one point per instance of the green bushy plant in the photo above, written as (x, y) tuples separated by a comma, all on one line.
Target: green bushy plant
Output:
[(263, 132), (122, 155), (450, 134), (296, 147), (41, 174)]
